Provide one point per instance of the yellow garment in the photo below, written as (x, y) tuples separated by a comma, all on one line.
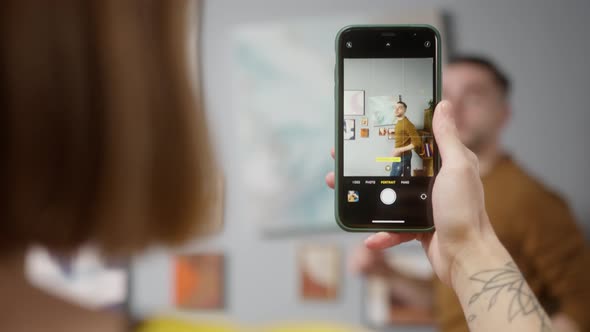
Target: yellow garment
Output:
[(406, 134), (310, 327), (178, 325)]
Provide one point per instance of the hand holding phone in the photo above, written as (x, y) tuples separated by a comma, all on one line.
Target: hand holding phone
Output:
[(464, 244), (462, 224)]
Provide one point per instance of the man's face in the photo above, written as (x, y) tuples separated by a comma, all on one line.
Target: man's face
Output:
[(481, 110), (400, 110)]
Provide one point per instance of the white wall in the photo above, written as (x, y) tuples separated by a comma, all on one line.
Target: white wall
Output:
[(542, 44)]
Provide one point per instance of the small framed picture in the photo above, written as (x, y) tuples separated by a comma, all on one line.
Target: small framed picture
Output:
[(199, 281), (354, 102), (364, 132), (390, 133), (319, 272), (364, 122), (382, 131), (387, 307), (349, 129)]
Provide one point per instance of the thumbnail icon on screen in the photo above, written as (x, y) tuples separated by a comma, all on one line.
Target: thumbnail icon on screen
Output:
[(353, 196)]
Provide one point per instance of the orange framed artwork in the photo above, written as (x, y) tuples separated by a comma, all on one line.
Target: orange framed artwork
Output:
[(199, 281)]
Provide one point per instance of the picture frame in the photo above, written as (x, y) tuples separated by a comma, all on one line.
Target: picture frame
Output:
[(199, 281), (349, 129), (383, 310), (390, 133), (364, 132), (319, 272), (354, 102)]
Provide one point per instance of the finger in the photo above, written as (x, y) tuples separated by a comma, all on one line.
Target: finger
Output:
[(384, 240), (332, 153), (425, 239), (445, 132), (330, 180)]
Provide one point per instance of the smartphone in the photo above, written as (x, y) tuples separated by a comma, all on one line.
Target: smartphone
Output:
[(387, 84)]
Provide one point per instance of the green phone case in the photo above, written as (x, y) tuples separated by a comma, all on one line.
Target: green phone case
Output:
[(337, 124)]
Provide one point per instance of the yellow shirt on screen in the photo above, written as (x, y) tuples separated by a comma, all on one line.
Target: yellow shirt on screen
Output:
[(406, 134)]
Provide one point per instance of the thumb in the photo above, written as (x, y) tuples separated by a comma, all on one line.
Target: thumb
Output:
[(445, 131)]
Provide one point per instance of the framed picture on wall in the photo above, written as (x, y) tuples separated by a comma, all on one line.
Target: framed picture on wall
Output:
[(349, 129), (319, 272), (387, 308), (365, 132), (354, 102), (199, 281), (390, 133)]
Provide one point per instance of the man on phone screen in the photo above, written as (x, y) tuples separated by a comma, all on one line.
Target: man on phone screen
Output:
[(406, 139)]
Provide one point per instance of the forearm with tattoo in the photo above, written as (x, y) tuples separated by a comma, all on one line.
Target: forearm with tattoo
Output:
[(507, 282)]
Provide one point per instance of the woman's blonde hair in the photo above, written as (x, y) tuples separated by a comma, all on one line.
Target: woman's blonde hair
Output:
[(103, 136)]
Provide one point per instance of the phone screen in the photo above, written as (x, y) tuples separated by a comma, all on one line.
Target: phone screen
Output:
[(387, 157)]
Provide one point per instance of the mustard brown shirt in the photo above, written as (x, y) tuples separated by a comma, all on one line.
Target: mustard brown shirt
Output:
[(406, 134), (539, 231)]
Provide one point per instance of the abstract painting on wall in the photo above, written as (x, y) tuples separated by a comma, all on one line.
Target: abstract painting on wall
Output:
[(319, 272), (283, 100), (380, 110), (199, 281)]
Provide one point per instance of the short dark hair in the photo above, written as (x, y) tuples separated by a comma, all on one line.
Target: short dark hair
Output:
[(401, 102), (77, 165), (502, 80)]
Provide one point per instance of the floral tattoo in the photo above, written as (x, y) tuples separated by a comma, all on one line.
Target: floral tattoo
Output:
[(508, 281)]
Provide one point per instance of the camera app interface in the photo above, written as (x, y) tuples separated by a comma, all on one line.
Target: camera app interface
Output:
[(387, 149)]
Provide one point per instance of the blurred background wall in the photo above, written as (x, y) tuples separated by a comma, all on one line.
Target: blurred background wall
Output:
[(543, 46)]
